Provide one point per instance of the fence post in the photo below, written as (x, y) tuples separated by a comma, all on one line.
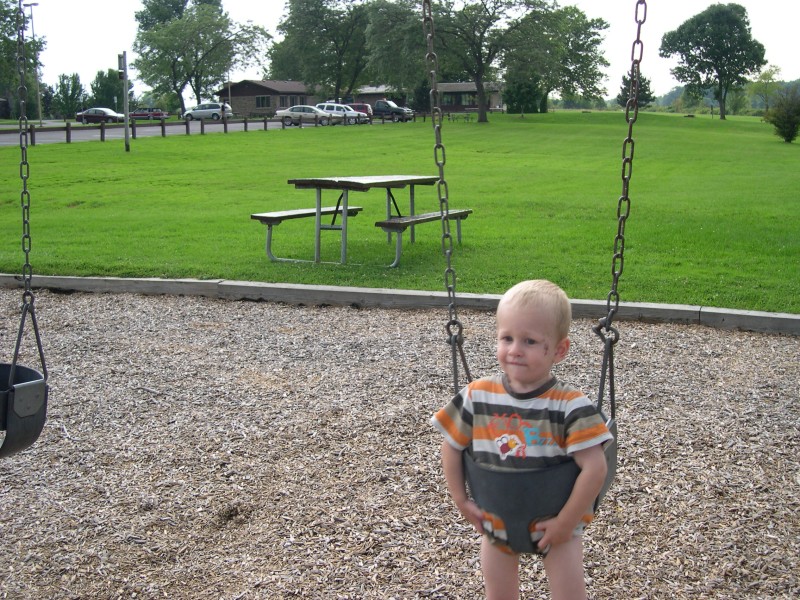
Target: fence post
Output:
[(102, 131), (133, 128), (163, 127), (69, 132)]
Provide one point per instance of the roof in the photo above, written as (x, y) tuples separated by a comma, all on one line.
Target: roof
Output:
[(276, 86), (468, 86)]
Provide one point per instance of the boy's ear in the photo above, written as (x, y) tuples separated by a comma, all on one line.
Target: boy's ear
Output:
[(562, 349)]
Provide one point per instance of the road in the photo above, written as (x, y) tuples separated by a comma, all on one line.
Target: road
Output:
[(54, 132)]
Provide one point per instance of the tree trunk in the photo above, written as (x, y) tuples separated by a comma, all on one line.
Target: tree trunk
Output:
[(481, 93)]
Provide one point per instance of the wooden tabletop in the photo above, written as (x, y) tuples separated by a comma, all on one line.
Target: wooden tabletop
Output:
[(364, 182)]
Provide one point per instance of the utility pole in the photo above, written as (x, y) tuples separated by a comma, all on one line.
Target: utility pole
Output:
[(36, 66), (122, 65)]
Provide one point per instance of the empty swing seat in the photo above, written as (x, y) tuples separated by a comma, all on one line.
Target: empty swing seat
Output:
[(23, 407), (521, 498)]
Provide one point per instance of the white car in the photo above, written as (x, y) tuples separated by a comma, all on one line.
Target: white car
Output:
[(302, 113), (348, 114), (209, 110)]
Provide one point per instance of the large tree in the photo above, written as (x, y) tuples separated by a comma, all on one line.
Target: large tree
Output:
[(193, 46), (716, 50), (475, 34), (9, 67), (556, 49), (106, 90), (324, 45)]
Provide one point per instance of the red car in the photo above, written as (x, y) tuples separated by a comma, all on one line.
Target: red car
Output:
[(149, 113), (99, 115)]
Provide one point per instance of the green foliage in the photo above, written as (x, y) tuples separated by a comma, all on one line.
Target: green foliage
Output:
[(716, 50), (644, 97), (107, 90), (68, 97), (336, 61), (785, 113), (709, 198), (195, 46)]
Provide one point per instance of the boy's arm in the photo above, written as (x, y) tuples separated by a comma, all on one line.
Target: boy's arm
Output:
[(592, 462), (453, 468)]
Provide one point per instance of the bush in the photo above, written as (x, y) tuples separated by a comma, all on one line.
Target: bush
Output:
[(785, 113)]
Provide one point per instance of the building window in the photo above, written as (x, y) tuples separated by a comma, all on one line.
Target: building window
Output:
[(263, 101), (283, 102)]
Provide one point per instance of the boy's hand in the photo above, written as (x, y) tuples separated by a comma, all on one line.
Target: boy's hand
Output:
[(472, 513), (555, 532)]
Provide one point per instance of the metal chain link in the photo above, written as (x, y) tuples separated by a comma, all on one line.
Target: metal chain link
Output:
[(28, 299), (605, 328), (455, 330)]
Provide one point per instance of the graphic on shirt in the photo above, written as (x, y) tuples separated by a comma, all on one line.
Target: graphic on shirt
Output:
[(513, 435)]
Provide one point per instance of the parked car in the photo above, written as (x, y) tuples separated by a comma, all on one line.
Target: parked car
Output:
[(361, 107), (99, 115), (389, 110), (348, 114), (148, 113), (302, 113), (209, 110)]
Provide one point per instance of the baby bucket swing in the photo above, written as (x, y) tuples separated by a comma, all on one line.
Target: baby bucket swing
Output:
[(541, 493), (23, 390)]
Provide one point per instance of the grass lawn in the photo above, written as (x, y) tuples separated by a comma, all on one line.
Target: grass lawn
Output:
[(714, 217)]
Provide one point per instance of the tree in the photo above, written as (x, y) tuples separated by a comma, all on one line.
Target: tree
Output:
[(644, 98), (106, 90), (716, 50), (475, 35), (396, 47), (559, 48), (68, 96), (9, 67), (766, 86), (195, 47), (785, 113), (324, 45)]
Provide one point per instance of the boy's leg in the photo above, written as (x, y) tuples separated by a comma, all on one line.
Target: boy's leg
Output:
[(564, 568), (500, 572)]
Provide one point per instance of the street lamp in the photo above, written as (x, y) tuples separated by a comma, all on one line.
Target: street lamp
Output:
[(36, 65)]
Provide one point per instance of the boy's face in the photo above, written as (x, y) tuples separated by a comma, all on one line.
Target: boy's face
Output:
[(527, 346)]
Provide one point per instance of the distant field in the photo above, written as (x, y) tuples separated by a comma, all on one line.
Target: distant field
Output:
[(714, 217)]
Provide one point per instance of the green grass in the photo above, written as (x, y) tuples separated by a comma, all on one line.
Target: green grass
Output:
[(714, 217)]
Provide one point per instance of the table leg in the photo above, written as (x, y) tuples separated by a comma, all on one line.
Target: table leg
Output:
[(345, 198), (411, 207), (388, 212), (317, 225)]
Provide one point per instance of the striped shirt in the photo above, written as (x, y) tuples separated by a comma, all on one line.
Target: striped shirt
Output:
[(521, 431)]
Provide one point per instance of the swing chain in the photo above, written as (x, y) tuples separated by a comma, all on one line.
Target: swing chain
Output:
[(605, 329), (454, 327), (28, 299)]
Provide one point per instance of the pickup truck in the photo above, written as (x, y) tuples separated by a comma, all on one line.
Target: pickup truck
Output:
[(387, 109)]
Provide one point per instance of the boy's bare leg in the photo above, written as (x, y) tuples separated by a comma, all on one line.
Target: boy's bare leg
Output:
[(564, 568), (500, 572)]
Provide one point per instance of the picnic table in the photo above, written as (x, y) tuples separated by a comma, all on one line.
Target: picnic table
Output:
[(395, 223)]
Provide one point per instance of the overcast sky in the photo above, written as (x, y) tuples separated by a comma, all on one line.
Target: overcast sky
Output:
[(83, 44)]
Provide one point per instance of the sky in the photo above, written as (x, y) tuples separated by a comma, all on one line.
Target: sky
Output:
[(85, 45)]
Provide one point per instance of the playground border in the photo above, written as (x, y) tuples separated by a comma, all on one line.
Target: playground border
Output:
[(313, 295)]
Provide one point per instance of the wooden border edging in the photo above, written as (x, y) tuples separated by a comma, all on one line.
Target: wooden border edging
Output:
[(315, 295)]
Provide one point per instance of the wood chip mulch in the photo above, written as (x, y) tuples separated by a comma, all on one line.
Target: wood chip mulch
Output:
[(199, 448)]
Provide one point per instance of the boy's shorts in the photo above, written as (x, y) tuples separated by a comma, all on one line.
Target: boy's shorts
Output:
[(495, 530)]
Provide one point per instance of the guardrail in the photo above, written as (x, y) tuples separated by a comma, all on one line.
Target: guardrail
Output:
[(69, 128)]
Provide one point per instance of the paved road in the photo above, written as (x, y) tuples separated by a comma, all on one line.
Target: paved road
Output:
[(55, 131)]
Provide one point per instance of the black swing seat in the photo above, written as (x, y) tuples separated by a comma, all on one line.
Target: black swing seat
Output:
[(522, 497), (23, 407)]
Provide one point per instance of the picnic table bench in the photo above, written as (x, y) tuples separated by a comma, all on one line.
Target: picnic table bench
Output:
[(398, 225), (270, 219)]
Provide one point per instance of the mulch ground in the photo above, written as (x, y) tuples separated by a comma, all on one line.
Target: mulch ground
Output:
[(199, 448)]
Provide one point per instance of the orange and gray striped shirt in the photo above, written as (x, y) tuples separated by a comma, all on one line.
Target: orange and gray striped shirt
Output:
[(521, 431)]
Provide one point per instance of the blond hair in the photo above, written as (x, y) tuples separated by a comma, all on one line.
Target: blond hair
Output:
[(544, 295)]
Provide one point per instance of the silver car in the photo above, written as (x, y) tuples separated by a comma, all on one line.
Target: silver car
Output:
[(348, 114), (302, 113), (209, 110)]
